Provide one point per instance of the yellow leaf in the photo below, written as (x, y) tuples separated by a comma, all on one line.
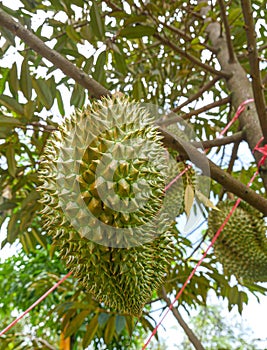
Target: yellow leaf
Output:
[(189, 196), (206, 201)]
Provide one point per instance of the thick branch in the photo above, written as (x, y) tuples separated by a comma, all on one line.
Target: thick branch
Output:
[(237, 137), (197, 95), (227, 31), (239, 86), (185, 116), (226, 180), (188, 331), (191, 58), (254, 66), (95, 89)]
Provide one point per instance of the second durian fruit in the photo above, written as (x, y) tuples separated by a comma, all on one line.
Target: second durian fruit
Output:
[(242, 245)]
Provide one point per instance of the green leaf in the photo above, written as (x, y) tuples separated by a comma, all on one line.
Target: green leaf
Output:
[(138, 90), (72, 34), (78, 96), (60, 103), (120, 323), (90, 331), (137, 31), (9, 122), (120, 62), (8, 35), (135, 19), (103, 318), (43, 93), (7, 206), (129, 324), (88, 64), (87, 32), (29, 109), (25, 79), (242, 299), (4, 73), (75, 323), (11, 104), (97, 21), (99, 73), (13, 228), (110, 329), (39, 238), (13, 79), (11, 161)]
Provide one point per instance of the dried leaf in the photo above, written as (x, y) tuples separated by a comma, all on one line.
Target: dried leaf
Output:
[(205, 200), (189, 196)]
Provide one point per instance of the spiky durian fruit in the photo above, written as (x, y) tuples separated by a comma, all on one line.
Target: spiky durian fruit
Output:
[(179, 176), (242, 245), (103, 178)]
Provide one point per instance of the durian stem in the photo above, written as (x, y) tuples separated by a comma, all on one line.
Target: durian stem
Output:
[(188, 331)]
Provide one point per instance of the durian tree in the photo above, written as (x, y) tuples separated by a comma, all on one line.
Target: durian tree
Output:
[(75, 77)]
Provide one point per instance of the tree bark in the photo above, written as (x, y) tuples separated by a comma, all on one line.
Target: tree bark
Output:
[(240, 87)]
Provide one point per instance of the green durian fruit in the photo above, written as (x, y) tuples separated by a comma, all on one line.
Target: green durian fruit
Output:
[(175, 201), (103, 177), (242, 245)]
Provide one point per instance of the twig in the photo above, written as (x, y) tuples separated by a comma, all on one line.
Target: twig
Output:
[(263, 47), (215, 172), (254, 66), (175, 30), (194, 112), (197, 95), (188, 331), (113, 6), (197, 247), (96, 89), (237, 138), (227, 31), (192, 58)]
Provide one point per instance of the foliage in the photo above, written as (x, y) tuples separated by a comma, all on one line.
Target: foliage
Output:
[(155, 52), (68, 308)]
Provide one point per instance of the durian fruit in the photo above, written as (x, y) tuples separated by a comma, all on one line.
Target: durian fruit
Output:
[(175, 202), (242, 245), (103, 177)]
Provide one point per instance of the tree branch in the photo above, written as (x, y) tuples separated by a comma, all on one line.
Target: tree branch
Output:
[(185, 116), (237, 138), (191, 58), (188, 331), (216, 173), (253, 57), (227, 31), (238, 85), (96, 90), (197, 95)]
